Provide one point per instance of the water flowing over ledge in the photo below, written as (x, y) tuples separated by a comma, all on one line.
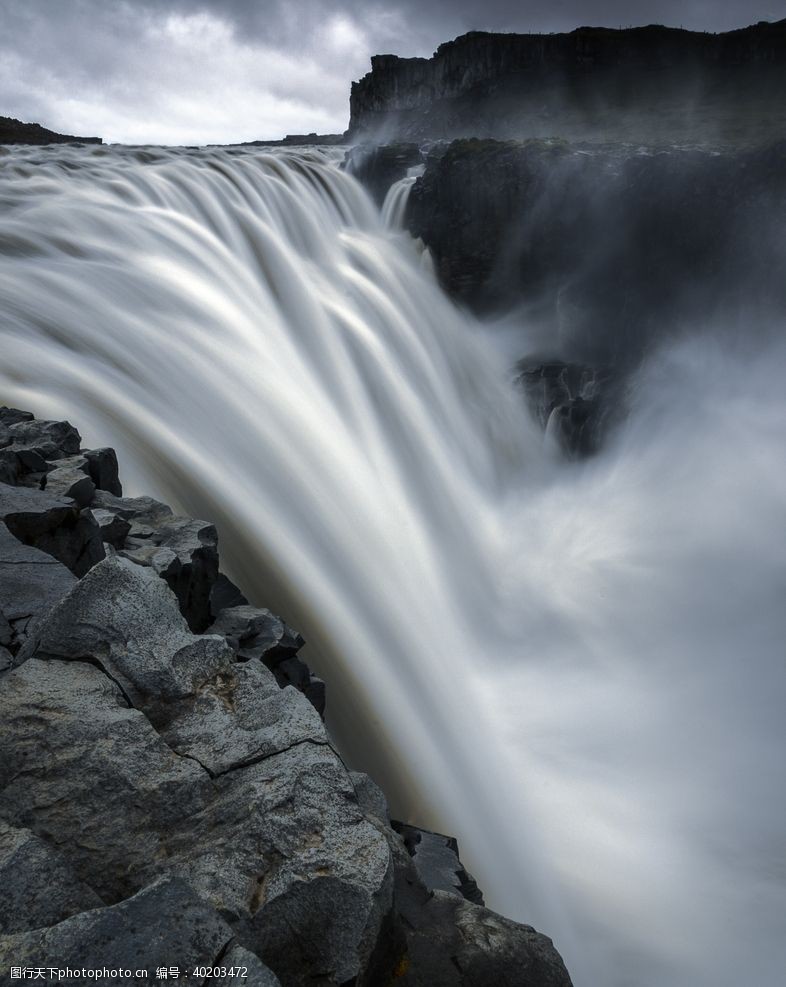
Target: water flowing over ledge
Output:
[(559, 663)]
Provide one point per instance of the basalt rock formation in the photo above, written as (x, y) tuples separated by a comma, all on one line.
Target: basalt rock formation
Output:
[(171, 798), (15, 132), (651, 83)]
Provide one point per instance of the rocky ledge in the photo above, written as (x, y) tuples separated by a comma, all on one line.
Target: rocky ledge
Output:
[(15, 132), (169, 796)]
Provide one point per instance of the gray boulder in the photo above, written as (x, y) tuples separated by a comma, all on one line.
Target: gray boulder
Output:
[(52, 525), (249, 971), (103, 470), (70, 481), (437, 862), (114, 529), (52, 440), (163, 926), (31, 583), (39, 887), (272, 835), (254, 632)]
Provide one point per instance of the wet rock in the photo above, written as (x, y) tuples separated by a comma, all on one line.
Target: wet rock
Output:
[(574, 404), (103, 470), (273, 837), (31, 583), (164, 925), (143, 511), (251, 971), (52, 440), (53, 526), (39, 886), (72, 482), (455, 942), (377, 167), (436, 859), (125, 619), (114, 529), (223, 595), (10, 416), (184, 552), (254, 632)]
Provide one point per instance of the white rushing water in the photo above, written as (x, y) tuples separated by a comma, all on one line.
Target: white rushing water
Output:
[(576, 668)]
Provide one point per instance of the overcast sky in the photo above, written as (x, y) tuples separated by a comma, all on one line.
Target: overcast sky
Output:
[(198, 71)]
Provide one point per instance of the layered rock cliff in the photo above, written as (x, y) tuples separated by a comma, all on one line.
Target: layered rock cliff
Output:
[(642, 83), (15, 132), (170, 799)]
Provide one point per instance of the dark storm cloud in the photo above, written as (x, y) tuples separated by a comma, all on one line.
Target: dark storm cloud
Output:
[(220, 70)]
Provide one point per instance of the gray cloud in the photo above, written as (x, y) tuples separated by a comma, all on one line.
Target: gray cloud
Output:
[(193, 71)]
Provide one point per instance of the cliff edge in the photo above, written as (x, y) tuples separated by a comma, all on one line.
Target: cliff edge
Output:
[(653, 83)]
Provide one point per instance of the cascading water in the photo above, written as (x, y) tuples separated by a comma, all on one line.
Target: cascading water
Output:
[(577, 668)]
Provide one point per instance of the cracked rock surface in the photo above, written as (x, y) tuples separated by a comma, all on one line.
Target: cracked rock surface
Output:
[(172, 798)]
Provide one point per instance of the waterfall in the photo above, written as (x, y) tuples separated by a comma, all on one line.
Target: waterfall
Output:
[(576, 668)]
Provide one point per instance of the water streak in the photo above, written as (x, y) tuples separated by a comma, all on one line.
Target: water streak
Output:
[(575, 668)]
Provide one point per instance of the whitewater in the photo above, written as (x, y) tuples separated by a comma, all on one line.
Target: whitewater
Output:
[(577, 668)]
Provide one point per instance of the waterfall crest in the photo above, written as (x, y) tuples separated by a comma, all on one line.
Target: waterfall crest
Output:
[(570, 666)]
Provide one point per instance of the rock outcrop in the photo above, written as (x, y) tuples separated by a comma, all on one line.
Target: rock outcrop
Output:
[(606, 247), (15, 132), (171, 798), (648, 83)]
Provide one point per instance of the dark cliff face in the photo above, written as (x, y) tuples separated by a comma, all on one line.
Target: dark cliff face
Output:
[(643, 83), (605, 249), (15, 132)]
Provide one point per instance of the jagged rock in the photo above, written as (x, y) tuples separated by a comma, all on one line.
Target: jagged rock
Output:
[(224, 595), (280, 845), (39, 886), (103, 469), (52, 440), (378, 167), (70, 481), (436, 859), (164, 925), (6, 633), (370, 797), (10, 416), (6, 659), (574, 404), (454, 942), (144, 511), (253, 972), (254, 632), (31, 583), (114, 529), (126, 619), (53, 526), (184, 552)]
